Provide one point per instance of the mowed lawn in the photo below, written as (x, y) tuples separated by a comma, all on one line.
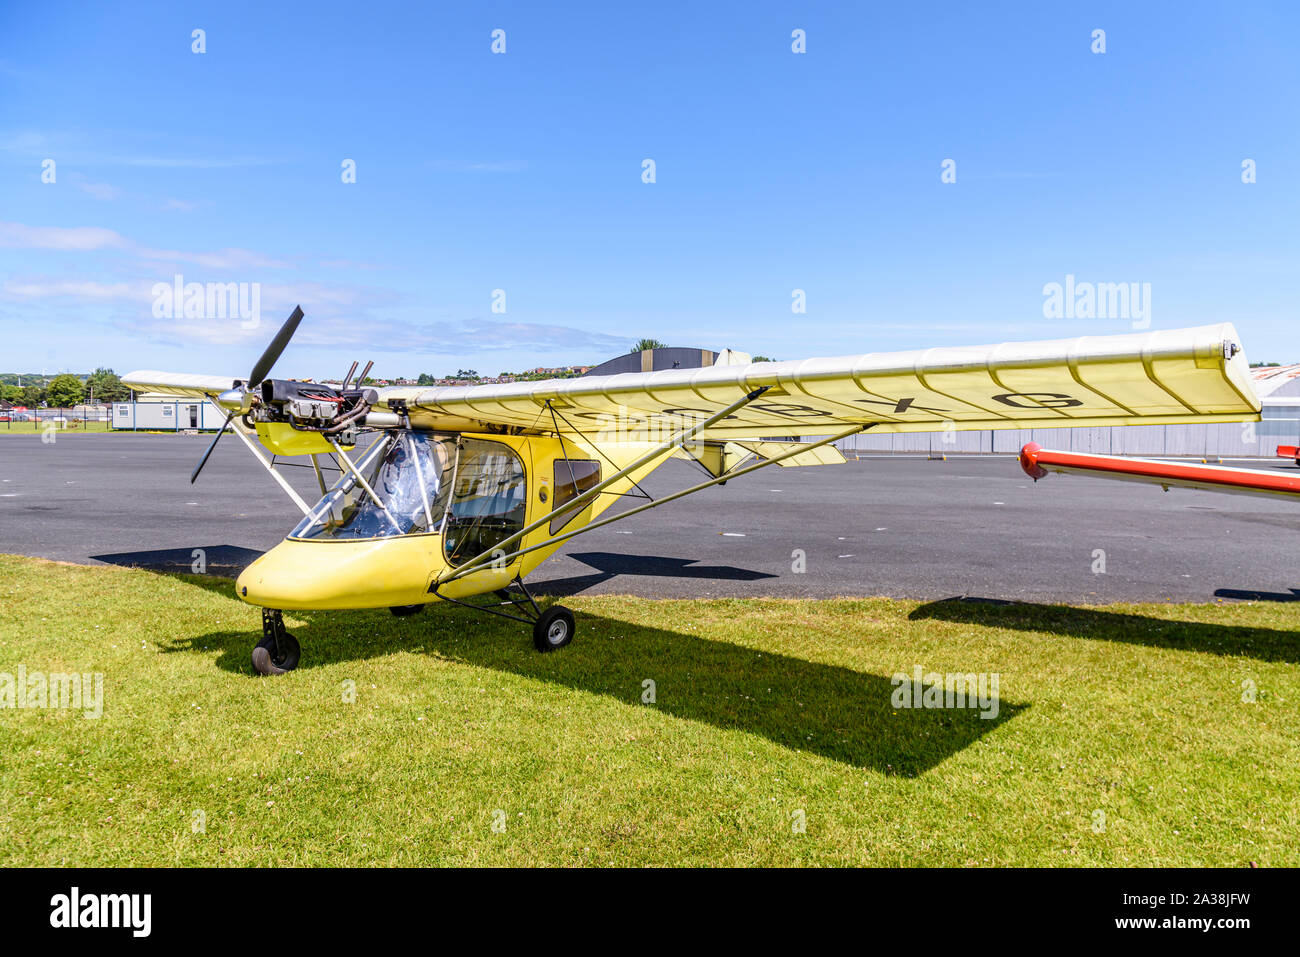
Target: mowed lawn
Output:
[(1122, 737), (71, 427)]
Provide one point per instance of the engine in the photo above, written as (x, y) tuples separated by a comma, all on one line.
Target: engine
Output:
[(313, 406)]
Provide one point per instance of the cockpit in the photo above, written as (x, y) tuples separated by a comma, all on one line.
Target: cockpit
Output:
[(473, 491)]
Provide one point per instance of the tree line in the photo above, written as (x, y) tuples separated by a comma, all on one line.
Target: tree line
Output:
[(66, 390)]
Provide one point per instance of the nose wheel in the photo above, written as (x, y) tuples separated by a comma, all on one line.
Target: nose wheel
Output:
[(278, 651)]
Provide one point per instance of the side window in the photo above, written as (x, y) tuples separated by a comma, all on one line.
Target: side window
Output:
[(488, 502), (572, 478)]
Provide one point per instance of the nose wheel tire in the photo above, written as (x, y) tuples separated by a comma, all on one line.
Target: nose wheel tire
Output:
[(278, 651), (554, 629), (269, 659)]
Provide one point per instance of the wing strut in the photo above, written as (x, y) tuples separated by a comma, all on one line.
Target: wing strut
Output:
[(578, 432), (581, 501), (475, 564), (288, 489)]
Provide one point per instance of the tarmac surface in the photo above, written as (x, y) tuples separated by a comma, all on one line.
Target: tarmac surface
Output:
[(888, 525)]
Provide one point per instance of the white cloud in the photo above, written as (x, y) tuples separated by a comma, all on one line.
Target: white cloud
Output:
[(218, 259), (349, 264), (25, 142), (180, 206), (102, 191), (74, 238), (92, 238), (187, 332), (322, 330), (467, 337), (86, 290), (339, 315), (64, 145)]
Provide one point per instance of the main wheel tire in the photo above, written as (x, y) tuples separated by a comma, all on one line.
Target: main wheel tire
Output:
[(401, 611), (266, 659), (554, 629)]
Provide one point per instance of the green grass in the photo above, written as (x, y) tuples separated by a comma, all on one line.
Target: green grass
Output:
[(71, 427), (764, 709)]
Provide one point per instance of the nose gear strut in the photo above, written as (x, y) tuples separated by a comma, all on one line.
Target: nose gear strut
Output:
[(278, 651)]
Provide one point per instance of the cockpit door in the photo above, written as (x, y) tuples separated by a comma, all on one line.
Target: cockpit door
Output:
[(489, 500)]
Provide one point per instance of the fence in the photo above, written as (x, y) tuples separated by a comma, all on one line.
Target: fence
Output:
[(81, 418)]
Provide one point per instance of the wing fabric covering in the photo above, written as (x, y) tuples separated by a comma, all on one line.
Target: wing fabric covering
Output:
[(1168, 376)]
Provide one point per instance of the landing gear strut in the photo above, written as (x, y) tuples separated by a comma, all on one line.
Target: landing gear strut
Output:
[(278, 651), (552, 628)]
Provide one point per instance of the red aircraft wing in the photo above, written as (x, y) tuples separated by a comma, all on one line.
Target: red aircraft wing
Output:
[(1038, 462)]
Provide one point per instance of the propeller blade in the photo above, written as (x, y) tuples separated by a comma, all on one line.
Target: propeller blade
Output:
[(215, 439), (263, 367)]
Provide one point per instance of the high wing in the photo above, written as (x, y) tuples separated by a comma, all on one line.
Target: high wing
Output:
[(1038, 462), (178, 383), (1169, 376)]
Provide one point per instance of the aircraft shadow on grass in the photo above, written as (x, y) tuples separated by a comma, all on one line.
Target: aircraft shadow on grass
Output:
[(610, 565), (827, 710), (1095, 624)]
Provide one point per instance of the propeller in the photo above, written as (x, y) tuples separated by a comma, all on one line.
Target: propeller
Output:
[(263, 367), (215, 439), (237, 399)]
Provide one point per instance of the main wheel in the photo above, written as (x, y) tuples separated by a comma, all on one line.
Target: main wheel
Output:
[(554, 629), (401, 611), (268, 661)]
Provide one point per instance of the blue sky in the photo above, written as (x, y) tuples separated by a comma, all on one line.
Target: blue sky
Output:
[(775, 171)]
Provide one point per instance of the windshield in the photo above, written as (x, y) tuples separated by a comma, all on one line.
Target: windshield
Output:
[(410, 475)]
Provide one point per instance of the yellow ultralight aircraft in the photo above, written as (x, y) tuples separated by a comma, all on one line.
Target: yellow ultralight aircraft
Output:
[(462, 491)]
